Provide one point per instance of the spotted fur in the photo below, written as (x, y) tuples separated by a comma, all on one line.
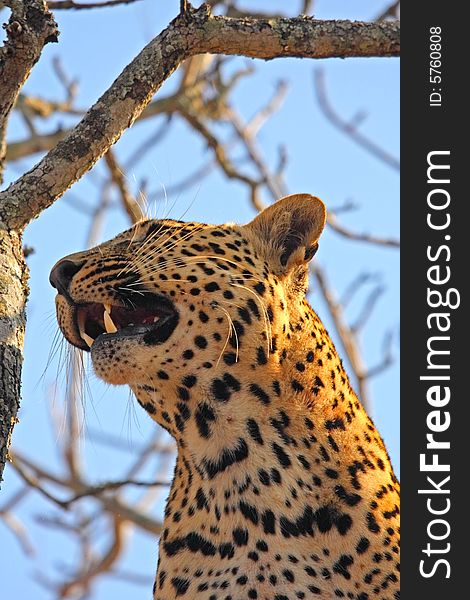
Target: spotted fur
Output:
[(282, 488)]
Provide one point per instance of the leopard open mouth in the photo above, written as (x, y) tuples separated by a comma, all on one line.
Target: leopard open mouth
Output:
[(152, 316)]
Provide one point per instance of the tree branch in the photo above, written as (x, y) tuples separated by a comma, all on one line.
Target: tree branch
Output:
[(130, 204), (392, 11), (47, 141), (86, 5), (346, 335), (360, 237), (349, 128), (198, 32), (30, 27)]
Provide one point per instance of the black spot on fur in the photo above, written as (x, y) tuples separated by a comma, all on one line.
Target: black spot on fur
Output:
[(181, 585), (257, 391), (254, 431), (227, 458), (268, 521), (240, 537), (362, 545), (230, 358), (342, 565), (220, 390), (204, 415), (261, 356), (349, 499), (249, 512), (281, 455), (212, 286)]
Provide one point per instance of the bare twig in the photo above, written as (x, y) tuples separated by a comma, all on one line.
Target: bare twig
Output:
[(243, 133), (47, 141), (349, 129), (355, 285), (131, 577), (349, 334), (254, 154), (40, 143), (155, 138), (20, 532), (360, 237), (391, 11), (109, 502), (70, 4), (222, 158), (13, 523), (281, 166), (115, 442), (15, 499), (34, 106), (387, 357), (307, 7), (190, 180), (70, 85), (82, 580), (96, 490), (130, 204), (33, 481), (367, 309), (346, 206), (346, 335), (274, 104), (98, 215)]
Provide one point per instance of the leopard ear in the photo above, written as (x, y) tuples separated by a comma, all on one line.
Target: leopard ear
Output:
[(286, 233)]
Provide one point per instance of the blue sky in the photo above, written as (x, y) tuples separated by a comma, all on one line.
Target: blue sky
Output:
[(94, 47)]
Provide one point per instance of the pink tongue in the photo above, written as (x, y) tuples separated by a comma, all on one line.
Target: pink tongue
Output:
[(148, 320), (123, 317)]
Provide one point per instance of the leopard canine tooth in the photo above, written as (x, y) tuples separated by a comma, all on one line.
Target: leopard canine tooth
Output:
[(87, 339), (108, 322), (81, 328)]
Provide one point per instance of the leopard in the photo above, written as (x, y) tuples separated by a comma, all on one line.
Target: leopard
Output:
[(282, 487)]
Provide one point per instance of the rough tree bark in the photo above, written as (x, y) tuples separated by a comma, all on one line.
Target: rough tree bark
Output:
[(194, 31), (30, 27)]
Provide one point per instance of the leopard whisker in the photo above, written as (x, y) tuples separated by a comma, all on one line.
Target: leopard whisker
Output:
[(171, 247), (231, 331)]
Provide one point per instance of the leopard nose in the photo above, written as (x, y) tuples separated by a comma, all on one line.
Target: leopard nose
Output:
[(62, 274)]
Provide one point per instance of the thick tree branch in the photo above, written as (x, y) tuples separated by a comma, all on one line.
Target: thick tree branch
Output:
[(301, 37), (13, 294), (196, 32), (30, 27), (47, 141)]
